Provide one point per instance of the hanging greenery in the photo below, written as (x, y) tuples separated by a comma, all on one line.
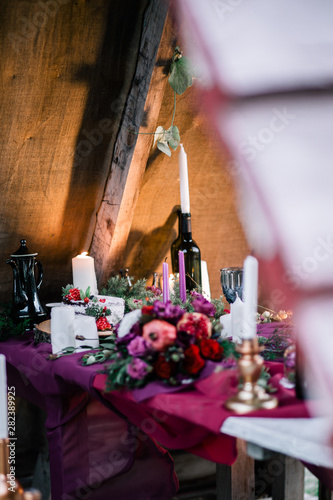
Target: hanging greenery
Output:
[(180, 78)]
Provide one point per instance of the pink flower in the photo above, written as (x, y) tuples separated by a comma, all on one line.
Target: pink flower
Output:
[(196, 324), (159, 333)]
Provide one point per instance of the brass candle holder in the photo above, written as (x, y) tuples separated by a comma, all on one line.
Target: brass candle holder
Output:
[(250, 396), (10, 488)]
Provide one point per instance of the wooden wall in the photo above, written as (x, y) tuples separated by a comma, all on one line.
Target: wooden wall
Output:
[(68, 68), (215, 224)]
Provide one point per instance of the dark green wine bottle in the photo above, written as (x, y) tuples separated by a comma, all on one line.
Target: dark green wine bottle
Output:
[(192, 256)]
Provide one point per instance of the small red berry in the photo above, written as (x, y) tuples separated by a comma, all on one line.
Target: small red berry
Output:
[(86, 300), (103, 324)]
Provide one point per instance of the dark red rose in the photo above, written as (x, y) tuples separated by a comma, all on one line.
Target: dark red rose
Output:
[(147, 310), (163, 368), (193, 361), (211, 349)]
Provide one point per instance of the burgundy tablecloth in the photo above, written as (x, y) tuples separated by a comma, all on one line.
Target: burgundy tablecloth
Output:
[(94, 446), (95, 452)]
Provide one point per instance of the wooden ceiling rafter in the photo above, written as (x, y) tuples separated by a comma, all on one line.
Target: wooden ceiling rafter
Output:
[(133, 143)]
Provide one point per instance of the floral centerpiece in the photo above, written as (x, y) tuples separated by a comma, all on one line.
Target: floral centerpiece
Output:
[(164, 342)]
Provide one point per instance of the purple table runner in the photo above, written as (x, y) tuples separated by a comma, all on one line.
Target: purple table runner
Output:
[(94, 452)]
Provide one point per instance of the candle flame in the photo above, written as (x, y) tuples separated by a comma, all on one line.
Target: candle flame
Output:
[(83, 254)]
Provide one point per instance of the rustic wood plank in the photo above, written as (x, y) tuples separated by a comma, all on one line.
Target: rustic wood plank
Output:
[(324, 492), (65, 75), (236, 482), (289, 478), (131, 150)]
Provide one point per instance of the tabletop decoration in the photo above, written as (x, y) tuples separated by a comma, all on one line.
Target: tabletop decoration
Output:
[(84, 276), (166, 343), (251, 396)]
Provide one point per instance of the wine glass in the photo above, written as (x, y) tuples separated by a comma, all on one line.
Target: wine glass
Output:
[(232, 283)]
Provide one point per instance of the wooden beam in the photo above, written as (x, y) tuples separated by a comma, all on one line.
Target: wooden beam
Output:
[(289, 480), (236, 482), (131, 150)]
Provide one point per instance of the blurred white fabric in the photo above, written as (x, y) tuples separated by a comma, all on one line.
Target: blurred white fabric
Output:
[(267, 75)]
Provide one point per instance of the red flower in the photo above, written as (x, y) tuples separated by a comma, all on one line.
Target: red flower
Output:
[(163, 368), (197, 324), (211, 349), (147, 310), (193, 361), (159, 333)]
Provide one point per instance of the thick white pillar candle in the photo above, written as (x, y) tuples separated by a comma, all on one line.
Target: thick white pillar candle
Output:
[(3, 398), (83, 267), (183, 178), (250, 297)]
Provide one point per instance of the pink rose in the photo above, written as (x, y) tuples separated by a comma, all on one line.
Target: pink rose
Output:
[(159, 333), (196, 324)]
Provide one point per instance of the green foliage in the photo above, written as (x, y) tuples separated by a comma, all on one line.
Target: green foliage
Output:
[(219, 306), (181, 73), (167, 139), (8, 328), (96, 310), (180, 78), (134, 296)]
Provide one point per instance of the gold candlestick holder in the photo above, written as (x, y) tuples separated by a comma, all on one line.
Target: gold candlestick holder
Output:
[(250, 396), (10, 488)]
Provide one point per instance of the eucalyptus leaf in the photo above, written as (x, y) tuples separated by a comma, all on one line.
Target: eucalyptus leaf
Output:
[(163, 146), (68, 350), (180, 75), (173, 136), (159, 135)]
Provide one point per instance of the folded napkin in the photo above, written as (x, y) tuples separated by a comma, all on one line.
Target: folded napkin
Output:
[(62, 328), (86, 326)]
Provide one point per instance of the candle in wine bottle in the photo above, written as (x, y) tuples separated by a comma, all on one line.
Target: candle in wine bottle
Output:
[(183, 178), (84, 276), (166, 294), (3, 398), (182, 279), (250, 297)]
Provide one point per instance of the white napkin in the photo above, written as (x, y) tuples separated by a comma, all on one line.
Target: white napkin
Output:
[(86, 326), (225, 321), (62, 328)]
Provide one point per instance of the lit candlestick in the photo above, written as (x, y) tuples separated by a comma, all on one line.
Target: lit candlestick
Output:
[(183, 178), (166, 295), (182, 279), (83, 267), (250, 297), (3, 398)]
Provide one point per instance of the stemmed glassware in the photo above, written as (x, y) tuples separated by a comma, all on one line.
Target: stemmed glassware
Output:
[(232, 283)]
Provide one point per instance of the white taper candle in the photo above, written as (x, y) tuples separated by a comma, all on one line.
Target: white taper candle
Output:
[(250, 297)]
